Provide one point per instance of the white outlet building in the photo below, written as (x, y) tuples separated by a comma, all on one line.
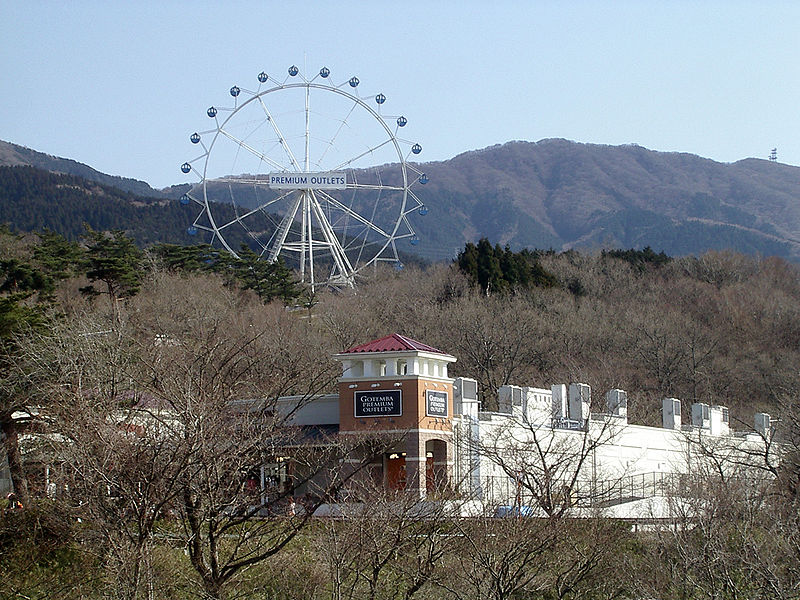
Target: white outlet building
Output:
[(542, 450)]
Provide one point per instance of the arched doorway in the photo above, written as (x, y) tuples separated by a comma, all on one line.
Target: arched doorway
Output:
[(436, 466)]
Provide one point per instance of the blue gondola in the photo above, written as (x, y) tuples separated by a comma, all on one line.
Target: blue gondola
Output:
[(324, 72), (192, 231), (353, 82), (423, 210), (235, 91), (185, 199), (416, 148), (186, 167), (211, 112), (293, 70), (423, 179), (262, 77), (414, 241), (195, 138), (380, 98), (398, 266), (401, 121)]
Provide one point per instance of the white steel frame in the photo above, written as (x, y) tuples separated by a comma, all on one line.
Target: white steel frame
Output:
[(316, 211)]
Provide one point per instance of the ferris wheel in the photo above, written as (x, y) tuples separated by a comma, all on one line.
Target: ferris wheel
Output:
[(306, 169)]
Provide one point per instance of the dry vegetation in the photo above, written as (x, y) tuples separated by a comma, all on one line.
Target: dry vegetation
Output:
[(721, 328)]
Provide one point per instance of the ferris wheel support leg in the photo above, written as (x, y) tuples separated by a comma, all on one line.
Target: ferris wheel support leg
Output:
[(337, 251), (283, 231), (304, 237), (307, 205)]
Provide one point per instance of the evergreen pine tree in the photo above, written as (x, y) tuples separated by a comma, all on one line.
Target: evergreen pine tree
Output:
[(114, 261)]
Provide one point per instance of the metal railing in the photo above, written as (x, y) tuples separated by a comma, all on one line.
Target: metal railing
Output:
[(608, 492), (587, 492)]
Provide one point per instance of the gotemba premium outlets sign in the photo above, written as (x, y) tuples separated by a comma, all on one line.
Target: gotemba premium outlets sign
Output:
[(379, 403), (435, 403)]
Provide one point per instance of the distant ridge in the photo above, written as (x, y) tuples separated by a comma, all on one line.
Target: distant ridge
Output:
[(549, 194), (561, 194), (12, 155)]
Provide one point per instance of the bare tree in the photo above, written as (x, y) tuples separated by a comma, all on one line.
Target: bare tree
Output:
[(167, 408), (728, 539), (530, 557), (553, 469), (390, 546)]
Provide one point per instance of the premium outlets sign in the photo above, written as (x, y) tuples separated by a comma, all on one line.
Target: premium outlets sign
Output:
[(330, 180), (436, 403), (379, 403)]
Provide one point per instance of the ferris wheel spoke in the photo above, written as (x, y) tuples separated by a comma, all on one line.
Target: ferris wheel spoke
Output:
[(417, 204), (362, 155), (342, 124), (253, 151), (261, 207), (281, 138), (353, 214), (375, 186), (307, 138)]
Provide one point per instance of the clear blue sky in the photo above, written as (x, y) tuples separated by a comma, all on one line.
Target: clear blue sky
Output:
[(121, 85)]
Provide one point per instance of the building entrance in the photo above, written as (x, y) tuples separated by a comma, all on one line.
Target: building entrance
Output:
[(396, 477)]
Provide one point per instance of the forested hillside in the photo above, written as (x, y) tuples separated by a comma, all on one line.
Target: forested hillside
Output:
[(33, 200), (561, 194), (12, 155), (554, 194)]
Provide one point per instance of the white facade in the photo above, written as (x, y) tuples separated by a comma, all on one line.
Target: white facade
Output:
[(545, 446)]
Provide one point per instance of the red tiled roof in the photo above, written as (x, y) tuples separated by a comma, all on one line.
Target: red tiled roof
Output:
[(393, 343)]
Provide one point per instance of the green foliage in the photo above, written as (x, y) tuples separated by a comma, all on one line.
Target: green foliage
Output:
[(640, 259), (200, 258), (271, 281), (498, 270), (16, 316), (21, 277), (58, 257), (113, 260), (25, 288)]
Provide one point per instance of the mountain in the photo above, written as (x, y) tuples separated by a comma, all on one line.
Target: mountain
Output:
[(561, 194), (549, 194), (32, 199), (12, 155)]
